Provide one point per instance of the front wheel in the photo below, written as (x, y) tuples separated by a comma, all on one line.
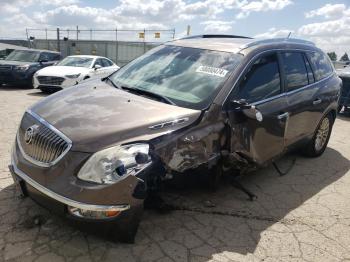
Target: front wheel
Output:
[(319, 142)]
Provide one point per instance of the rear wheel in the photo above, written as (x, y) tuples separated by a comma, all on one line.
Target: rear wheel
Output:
[(319, 142)]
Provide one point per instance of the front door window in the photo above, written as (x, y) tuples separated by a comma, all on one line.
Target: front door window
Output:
[(262, 80)]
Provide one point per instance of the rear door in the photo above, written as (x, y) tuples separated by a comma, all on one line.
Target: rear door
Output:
[(260, 85), (300, 93)]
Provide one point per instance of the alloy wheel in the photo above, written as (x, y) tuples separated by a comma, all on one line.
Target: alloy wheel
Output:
[(322, 134)]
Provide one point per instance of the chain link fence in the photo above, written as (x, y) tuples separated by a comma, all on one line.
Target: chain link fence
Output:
[(121, 46)]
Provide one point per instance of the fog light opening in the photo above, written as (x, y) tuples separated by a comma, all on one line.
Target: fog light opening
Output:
[(83, 213)]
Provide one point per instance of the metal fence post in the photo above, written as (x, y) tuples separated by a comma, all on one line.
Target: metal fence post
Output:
[(58, 40), (27, 37), (47, 41), (77, 33), (116, 44), (144, 40)]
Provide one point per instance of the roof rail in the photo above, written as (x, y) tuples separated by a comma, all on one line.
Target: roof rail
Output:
[(279, 40), (216, 36)]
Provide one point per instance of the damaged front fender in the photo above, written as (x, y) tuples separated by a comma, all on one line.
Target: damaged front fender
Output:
[(197, 145)]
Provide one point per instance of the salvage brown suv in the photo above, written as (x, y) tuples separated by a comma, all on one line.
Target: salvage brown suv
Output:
[(92, 152)]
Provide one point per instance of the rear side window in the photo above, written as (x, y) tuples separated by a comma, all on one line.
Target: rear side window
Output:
[(295, 70), (262, 80), (321, 65)]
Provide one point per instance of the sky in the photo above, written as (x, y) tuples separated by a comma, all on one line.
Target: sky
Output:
[(325, 22)]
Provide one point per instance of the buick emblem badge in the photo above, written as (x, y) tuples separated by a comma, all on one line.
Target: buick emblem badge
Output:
[(30, 133)]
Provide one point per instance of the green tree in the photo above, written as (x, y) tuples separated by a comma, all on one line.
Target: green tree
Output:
[(332, 56), (345, 57)]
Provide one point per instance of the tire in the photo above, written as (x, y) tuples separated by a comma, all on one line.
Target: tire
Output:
[(319, 142)]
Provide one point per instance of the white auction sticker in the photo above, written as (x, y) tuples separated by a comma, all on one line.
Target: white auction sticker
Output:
[(212, 71)]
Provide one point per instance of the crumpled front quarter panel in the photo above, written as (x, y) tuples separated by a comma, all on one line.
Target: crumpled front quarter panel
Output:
[(197, 145)]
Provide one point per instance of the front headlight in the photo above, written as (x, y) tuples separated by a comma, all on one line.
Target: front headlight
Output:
[(114, 164), (22, 67), (72, 76)]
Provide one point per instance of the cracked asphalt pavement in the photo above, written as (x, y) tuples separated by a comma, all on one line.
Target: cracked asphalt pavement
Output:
[(303, 216)]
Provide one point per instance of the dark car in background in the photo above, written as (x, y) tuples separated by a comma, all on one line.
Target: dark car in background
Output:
[(344, 101), (94, 152), (19, 66)]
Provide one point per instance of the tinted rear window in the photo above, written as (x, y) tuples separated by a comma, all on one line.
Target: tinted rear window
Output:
[(295, 70), (321, 65)]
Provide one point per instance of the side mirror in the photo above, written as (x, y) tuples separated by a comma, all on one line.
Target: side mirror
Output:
[(240, 104), (97, 67), (247, 109), (43, 61)]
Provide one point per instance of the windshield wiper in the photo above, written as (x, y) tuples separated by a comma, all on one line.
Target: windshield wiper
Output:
[(148, 93), (111, 82)]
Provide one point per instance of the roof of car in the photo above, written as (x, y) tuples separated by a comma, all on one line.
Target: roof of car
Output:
[(235, 44)]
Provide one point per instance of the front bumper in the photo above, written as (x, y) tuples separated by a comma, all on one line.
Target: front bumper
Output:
[(14, 77), (120, 228), (66, 83), (24, 179)]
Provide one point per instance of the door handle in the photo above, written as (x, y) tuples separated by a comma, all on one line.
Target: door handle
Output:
[(317, 101), (284, 115)]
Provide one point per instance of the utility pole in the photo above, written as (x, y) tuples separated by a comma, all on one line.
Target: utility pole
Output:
[(77, 33)]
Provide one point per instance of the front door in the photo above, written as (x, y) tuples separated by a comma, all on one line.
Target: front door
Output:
[(259, 140)]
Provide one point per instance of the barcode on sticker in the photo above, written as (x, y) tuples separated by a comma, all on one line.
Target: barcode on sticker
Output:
[(212, 71)]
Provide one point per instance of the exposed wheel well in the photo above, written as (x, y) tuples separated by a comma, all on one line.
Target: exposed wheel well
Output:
[(86, 77)]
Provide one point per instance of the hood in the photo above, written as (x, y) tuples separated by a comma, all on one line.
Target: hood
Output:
[(62, 70), (95, 115), (16, 63)]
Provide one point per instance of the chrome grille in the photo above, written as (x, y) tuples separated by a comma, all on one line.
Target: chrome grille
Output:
[(46, 145), (50, 80)]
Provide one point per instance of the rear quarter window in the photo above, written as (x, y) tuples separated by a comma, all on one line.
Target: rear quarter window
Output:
[(321, 65)]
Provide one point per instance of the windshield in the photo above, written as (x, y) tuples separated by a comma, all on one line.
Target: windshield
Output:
[(76, 61), (189, 77), (23, 56)]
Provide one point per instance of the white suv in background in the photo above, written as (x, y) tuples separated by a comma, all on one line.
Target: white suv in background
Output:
[(72, 70)]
